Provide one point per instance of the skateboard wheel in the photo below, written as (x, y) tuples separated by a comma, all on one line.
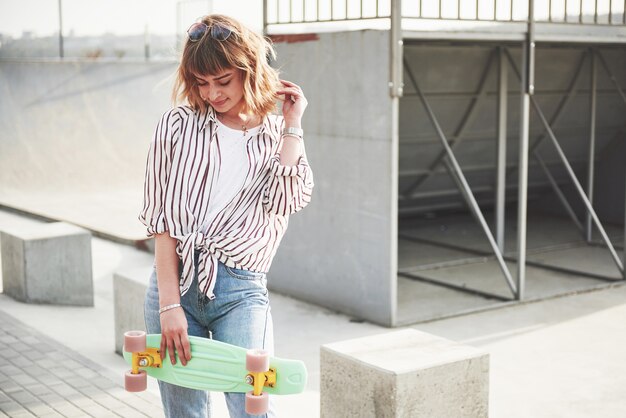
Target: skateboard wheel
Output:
[(257, 361), (257, 405), (135, 382), (134, 341)]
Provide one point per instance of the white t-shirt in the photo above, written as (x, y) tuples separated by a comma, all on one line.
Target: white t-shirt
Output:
[(233, 168)]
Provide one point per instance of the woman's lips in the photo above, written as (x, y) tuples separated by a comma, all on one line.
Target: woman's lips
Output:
[(219, 103)]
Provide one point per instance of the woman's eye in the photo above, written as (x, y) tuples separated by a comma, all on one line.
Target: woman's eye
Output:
[(225, 84)]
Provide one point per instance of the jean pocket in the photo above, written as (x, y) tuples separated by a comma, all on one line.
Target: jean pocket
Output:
[(244, 274)]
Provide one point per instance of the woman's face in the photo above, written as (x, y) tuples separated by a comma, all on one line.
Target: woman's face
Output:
[(223, 91)]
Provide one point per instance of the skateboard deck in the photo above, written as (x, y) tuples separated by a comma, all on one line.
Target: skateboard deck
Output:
[(220, 367)]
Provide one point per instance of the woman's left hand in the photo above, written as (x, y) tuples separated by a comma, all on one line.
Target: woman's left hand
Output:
[(295, 102)]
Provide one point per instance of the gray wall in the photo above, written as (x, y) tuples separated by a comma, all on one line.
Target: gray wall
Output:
[(340, 251)]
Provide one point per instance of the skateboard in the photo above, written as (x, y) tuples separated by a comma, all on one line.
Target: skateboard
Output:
[(214, 366)]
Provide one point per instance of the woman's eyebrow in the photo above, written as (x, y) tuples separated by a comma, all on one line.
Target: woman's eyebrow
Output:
[(224, 76), (216, 78)]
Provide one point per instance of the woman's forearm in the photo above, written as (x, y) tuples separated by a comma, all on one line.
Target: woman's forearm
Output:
[(167, 269), (291, 149)]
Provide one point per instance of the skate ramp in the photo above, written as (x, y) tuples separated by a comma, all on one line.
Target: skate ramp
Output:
[(74, 138)]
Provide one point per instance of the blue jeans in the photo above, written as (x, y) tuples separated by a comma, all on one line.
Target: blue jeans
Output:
[(239, 315)]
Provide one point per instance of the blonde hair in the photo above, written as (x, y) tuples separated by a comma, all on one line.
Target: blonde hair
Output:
[(244, 50)]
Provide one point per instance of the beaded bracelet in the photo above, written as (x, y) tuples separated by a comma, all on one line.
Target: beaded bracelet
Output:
[(168, 307)]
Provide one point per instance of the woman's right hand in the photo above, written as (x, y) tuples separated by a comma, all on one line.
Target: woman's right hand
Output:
[(174, 336)]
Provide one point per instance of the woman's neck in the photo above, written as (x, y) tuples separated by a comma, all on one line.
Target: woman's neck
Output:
[(236, 119), (235, 113)]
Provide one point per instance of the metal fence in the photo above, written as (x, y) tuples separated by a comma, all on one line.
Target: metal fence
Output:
[(595, 12)]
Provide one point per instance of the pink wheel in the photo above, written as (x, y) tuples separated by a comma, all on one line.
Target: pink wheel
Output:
[(134, 341), (135, 382), (257, 405), (257, 361)]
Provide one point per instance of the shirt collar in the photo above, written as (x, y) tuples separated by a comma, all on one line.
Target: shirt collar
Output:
[(209, 115)]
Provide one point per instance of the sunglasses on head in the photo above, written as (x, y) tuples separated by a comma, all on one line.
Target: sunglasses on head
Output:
[(217, 31)]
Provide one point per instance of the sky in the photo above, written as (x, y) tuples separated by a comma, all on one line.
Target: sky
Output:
[(121, 17), (124, 17)]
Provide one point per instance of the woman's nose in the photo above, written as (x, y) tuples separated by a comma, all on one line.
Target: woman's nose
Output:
[(214, 94)]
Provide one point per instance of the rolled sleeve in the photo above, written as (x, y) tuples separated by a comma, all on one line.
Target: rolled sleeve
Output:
[(158, 166), (290, 187)]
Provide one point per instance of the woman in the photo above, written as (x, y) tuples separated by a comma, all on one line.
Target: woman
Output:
[(223, 175)]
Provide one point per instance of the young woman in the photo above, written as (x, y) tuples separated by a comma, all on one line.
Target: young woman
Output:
[(223, 175)]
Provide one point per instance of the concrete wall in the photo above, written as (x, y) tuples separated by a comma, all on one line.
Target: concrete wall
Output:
[(344, 240)]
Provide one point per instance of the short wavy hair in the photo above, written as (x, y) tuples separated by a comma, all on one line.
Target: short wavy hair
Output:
[(243, 49)]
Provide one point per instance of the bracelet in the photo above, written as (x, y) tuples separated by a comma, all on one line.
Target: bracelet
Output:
[(294, 136), (292, 130), (168, 307)]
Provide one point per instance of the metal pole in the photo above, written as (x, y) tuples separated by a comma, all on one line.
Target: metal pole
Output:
[(522, 194), (530, 51), (396, 90), (571, 91), (571, 172), (459, 131), (592, 142), (579, 188), (395, 34), (265, 17), (61, 52), (611, 76), (146, 43), (178, 30), (528, 89), (501, 149), (559, 193), (466, 190)]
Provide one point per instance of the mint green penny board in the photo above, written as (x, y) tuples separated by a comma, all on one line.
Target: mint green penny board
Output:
[(220, 367)]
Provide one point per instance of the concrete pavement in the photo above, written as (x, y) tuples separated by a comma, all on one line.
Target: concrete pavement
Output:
[(40, 377)]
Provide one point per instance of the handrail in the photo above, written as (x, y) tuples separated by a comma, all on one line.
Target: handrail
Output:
[(286, 12)]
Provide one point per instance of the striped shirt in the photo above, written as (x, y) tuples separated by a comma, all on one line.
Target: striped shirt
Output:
[(182, 169)]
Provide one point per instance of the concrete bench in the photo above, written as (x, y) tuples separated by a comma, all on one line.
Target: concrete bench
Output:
[(47, 263), (129, 290), (405, 373)]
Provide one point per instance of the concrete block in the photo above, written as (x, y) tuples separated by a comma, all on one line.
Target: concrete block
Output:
[(405, 374), (129, 290), (48, 263)]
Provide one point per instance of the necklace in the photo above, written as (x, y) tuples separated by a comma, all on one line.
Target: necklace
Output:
[(244, 126)]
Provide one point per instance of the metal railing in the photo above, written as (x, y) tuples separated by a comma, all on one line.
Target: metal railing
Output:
[(594, 12), (313, 11)]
